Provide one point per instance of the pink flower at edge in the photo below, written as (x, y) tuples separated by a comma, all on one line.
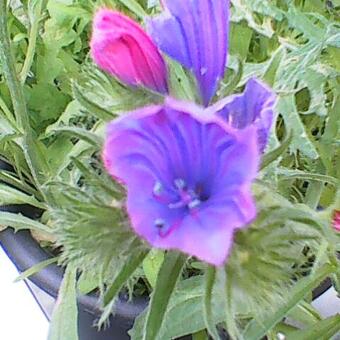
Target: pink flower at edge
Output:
[(336, 220), (120, 47)]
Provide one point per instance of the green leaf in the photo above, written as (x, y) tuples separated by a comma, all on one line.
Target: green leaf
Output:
[(323, 330), (87, 282), (90, 106), (34, 13), (19, 222), (152, 264), (134, 7), (231, 79), (8, 178), (273, 155), (287, 107), (9, 195), (288, 174), (182, 85), (201, 335), (230, 314), (82, 134), (165, 285), (131, 264), (257, 329), (35, 269), (122, 275), (210, 276), (273, 65), (305, 313), (240, 38), (35, 154), (184, 314), (65, 314)]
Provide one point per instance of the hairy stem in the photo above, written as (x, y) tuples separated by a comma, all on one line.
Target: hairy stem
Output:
[(11, 76), (31, 43), (28, 142)]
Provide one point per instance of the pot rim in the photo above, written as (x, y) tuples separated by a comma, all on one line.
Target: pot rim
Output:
[(24, 251)]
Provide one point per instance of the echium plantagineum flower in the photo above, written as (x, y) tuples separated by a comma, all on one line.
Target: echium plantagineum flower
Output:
[(121, 47), (187, 169), (188, 176), (195, 33)]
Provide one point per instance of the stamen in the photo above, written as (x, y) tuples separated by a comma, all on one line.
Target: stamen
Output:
[(193, 204), (159, 223), (157, 189), (176, 205), (180, 184)]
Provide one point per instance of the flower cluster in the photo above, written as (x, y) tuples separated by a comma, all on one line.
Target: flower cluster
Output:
[(188, 168)]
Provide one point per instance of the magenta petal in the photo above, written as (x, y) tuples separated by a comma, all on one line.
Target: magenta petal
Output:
[(252, 107), (121, 47), (336, 220), (188, 176), (201, 43)]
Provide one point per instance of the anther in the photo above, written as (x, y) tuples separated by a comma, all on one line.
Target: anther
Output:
[(193, 204), (159, 223), (157, 189), (180, 183)]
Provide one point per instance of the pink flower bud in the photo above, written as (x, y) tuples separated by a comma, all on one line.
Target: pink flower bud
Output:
[(121, 47), (336, 220)]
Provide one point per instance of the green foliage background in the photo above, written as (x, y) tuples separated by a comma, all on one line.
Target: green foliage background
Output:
[(52, 130)]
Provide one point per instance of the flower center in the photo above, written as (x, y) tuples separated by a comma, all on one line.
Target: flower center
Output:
[(185, 197), (180, 196)]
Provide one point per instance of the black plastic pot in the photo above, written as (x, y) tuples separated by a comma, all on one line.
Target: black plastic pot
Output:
[(25, 252)]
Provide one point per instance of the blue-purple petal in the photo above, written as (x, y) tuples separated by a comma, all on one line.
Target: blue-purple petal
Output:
[(195, 33), (252, 107)]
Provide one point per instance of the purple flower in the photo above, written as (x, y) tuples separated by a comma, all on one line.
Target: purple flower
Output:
[(188, 176), (252, 107), (195, 33)]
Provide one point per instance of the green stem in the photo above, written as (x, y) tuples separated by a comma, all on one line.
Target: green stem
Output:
[(8, 114), (31, 44), (313, 194), (315, 189), (11, 76), (28, 142)]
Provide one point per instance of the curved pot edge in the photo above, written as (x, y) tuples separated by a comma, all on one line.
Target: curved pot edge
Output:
[(25, 252)]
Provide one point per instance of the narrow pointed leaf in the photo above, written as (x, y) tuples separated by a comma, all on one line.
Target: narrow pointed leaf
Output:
[(35, 269), (210, 276), (9, 195), (256, 330), (166, 282), (323, 330), (90, 106), (82, 134), (65, 315), (276, 153), (123, 275), (305, 313), (288, 174), (271, 71), (134, 7), (19, 222)]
